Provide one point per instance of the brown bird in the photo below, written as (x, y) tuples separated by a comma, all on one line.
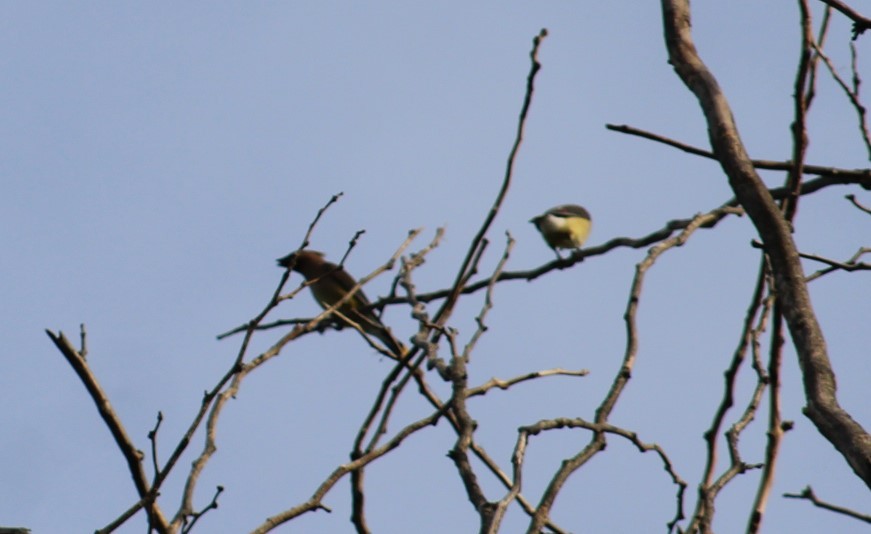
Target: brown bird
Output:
[(329, 283)]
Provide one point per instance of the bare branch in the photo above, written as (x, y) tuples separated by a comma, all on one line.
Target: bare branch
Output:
[(505, 384), (215, 398), (358, 475), (789, 207), (240, 371), (776, 427), (860, 23), (597, 443), (130, 512), (823, 409), (351, 244), (601, 428), (852, 198), (849, 266), (517, 481), (314, 503), (426, 325), (468, 266), (833, 177), (801, 104), (197, 515), (808, 494), (758, 307), (490, 520), (852, 93), (152, 437), (311, 227), (131, 454), (845, 176), (830, 176), (488, 301)]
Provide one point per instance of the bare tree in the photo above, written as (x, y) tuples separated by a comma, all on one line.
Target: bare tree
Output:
[(780, 305)]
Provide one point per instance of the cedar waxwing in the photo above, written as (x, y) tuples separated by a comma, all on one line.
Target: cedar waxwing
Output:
[(329, 283), (566, 226)]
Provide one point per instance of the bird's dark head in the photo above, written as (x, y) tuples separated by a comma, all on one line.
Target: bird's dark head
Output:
[(301, 260)]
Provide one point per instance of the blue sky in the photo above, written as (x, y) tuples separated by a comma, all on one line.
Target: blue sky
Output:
[(156, 159)]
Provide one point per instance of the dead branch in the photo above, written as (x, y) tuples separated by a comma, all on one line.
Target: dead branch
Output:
[(132, 455), (823, 409), (808, 494), (860, 23)]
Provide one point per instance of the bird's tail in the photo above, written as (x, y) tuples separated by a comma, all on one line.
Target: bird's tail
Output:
[(375, 328), (393, 345)]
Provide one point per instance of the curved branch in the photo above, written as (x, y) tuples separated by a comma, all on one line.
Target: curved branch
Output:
[(833, 422)]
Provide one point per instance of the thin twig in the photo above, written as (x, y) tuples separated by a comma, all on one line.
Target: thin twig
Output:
[(776, 427), (468, 266), (860, 23), (852, 94), (152, 437), (808, 494), (311, 227), (601, 428), (505, 384), (850, 175), (757, 310), (314, 502), (490, 521), (852, 199), (801, 105), (849, 266), (488, 301), (127, 514), (213, 505)]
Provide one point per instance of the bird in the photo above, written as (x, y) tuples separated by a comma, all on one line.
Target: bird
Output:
[(567, 226), (329, 283)]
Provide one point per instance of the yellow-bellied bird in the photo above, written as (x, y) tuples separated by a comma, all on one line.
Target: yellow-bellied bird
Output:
[(566, 226), (329, 283)]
